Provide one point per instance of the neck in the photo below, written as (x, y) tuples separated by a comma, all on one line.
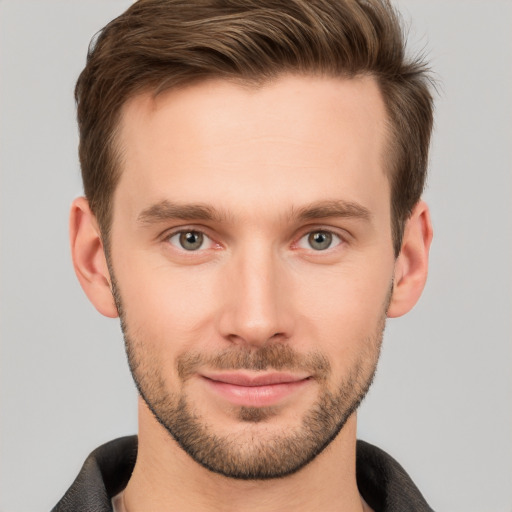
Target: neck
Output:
[(166, 479)]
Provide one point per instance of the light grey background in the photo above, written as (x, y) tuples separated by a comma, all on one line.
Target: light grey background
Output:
[(441, 403)]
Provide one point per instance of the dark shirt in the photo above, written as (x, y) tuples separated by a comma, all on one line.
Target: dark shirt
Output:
[(382, 482)]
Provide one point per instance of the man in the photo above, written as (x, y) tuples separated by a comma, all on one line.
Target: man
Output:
[(253, 175)]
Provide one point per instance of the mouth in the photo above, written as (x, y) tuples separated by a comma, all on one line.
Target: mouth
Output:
[(255, 389)]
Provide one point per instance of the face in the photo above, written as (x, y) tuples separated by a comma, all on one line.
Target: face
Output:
[(252, 263)]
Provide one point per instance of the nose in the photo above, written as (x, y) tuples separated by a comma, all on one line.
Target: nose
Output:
[(255, 305)]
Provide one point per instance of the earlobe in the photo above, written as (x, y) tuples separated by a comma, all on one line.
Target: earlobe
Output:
[(89, 258), (411, 266)]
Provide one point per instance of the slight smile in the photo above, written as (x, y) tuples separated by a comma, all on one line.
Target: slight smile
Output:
[(255, 389)]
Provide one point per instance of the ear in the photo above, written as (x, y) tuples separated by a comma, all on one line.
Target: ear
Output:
[(89, 258), (411, 266)]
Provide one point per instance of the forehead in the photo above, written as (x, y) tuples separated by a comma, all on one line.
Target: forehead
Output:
[(294, 139)]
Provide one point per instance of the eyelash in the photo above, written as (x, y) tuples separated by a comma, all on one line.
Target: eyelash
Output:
[(334, 239), (183, 232)]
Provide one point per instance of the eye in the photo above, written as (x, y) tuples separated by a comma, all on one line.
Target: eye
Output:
[(319, 240), (190, 240)]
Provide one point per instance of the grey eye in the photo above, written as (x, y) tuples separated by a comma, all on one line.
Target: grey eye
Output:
[(191, 240), (188, 240), (320, 240)]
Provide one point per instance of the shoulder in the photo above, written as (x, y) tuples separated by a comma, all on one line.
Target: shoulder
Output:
[(384, 484), (104, 474)]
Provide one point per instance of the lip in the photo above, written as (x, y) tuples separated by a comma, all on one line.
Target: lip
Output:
[(255, 389)]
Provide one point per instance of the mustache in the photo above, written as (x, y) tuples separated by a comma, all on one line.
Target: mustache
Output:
[(276, 356)]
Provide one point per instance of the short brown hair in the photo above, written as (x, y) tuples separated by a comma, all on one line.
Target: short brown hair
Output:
[(160, 44)]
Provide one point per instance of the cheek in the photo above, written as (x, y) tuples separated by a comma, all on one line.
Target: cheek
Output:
[(344, 310), (165, 305)]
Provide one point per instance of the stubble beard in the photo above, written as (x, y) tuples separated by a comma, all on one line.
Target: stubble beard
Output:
[(247, 455)]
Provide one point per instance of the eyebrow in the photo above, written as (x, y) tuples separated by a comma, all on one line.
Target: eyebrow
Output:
[(332, 208), (167, 210)]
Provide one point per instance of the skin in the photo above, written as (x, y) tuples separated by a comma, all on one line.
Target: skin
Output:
[(257, 158)]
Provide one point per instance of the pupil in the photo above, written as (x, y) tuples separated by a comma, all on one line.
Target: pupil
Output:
[(320, 240), (191, 240)]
